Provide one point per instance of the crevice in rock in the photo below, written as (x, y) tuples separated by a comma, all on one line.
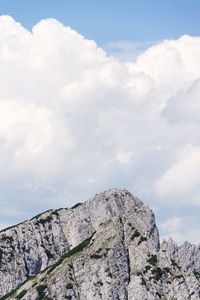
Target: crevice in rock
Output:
[(27, 272), (127, 258)]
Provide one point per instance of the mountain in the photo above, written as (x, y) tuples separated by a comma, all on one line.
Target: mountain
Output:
[(106, 248)]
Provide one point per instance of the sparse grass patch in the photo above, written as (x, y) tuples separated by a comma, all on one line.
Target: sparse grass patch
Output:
[(106, 222), (178, 276), (69, 286), (43, 221), (55, 213), (75, 250), (99, 283), (146, 269), (196, 274), (41, 291), (167, 270), (174, 264), (96, 256), (7, 238), (135, 234), (22, 294), (76, 205), (158, 273), (143, 282), (142, 239), (49, 254), (1, 253), (153, 260)]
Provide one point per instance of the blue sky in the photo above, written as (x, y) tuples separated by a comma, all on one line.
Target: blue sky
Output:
[(75, 121), (106, 21)]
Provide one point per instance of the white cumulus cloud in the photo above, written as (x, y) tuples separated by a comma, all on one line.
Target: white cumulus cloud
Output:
[(180, 229), (182, 178), (75, 121)]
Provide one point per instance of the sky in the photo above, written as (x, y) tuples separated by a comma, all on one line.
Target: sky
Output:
[(107, 21), (96, 95)]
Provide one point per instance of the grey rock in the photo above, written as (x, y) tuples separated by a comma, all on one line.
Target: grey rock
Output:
[(105, 248)]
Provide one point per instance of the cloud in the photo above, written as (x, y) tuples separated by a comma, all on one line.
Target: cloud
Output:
[(171, 228), (75, 121), (184, 106), (182, 178), (179, 229)]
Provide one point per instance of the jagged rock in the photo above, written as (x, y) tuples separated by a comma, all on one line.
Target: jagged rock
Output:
[(105, 248)]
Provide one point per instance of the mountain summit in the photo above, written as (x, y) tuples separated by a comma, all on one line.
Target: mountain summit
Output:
[(106, 248)]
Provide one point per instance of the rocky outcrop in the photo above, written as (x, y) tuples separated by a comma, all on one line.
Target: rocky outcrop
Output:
[(106, 248)]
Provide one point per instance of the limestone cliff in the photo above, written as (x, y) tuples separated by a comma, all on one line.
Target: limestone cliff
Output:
[(105, 248)]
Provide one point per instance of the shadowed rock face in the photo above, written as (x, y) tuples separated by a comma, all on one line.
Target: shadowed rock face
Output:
[(105, 248)]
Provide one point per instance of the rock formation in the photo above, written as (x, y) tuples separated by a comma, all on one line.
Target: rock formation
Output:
[(106, 248)]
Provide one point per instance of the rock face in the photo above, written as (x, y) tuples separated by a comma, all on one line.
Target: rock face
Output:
[(106, 248)]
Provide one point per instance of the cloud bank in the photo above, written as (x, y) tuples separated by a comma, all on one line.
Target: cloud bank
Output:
[(75, 121)]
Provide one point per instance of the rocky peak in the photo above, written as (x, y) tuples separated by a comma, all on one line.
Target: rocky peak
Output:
[(105, 248), (187, 255), (30, 247)]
